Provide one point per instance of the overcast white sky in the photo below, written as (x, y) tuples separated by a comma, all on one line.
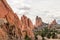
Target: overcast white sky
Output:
[(46, 9)]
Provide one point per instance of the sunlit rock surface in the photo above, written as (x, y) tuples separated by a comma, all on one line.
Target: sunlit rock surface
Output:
[(13, 28)]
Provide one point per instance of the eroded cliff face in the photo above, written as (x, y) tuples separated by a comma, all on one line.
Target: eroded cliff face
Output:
[(38, 22), (10, 22), (4, 8), (27, 27), (30, 24), (14, 28)]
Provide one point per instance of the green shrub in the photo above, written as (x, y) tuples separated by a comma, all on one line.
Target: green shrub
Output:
[(27, 38)]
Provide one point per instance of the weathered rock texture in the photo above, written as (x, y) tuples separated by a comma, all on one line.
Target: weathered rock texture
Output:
[(3, 35), (38, 22), (27, 27), (52, 23), (13, 23), (15, 28)]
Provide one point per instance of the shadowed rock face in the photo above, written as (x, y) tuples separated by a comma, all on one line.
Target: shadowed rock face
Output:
[(38, 22)]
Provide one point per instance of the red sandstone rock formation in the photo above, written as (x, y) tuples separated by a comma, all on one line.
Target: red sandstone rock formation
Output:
[(16, 25), (7, 13), (4, 8), (24, 20), (3, 35), (30, 24), (27, 22), (52, 23), (27, 27), (24, 26), (30, 33), (38, 22)]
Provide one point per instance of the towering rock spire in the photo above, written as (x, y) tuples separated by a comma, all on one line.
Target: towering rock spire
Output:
[(26, 21), (30, 24), (19, 27), (38, 22), (52, 23), (27, 27)]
